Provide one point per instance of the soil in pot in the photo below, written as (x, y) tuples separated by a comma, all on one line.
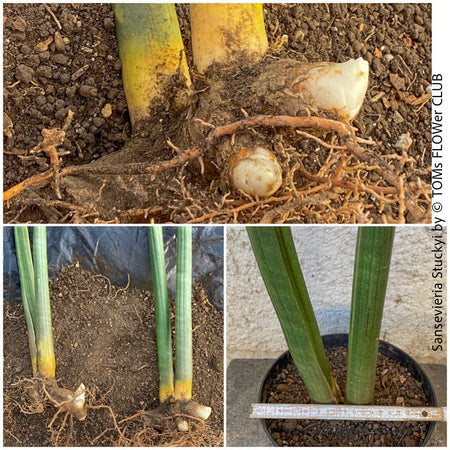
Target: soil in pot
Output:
[(394, 386), (43, 81), (105, 337)]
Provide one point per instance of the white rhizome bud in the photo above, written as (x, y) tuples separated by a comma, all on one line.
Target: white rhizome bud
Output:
[(255, 171), (335, 87)]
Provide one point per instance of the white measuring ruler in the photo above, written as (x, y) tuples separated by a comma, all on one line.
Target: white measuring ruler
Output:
[(347, 412)]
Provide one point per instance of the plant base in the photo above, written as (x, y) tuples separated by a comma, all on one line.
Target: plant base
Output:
[(39, 391), (69, 401), (179, 411)]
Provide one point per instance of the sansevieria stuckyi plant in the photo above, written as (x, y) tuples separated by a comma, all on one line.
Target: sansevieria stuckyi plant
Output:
[(179, 392), (280, 268), (370, 277), (277, 260), (33, 272)]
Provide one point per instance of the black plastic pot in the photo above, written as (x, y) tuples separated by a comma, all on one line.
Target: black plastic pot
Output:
[(336, 340)]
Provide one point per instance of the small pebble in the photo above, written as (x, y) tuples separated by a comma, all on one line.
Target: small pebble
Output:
[(25, 49), (24, 73), (19, 24), (59, 58), (108, 23), (61, 114), (397, 117), (8, 126), (65, 78), (45, 71), (70, 91), (404, 142), (98, 121), (41, 100), (59, 42), (107, 111), (44, 56), (60, 104), (87, 91)]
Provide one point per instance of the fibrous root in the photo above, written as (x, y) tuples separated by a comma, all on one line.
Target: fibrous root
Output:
[(47, 390)]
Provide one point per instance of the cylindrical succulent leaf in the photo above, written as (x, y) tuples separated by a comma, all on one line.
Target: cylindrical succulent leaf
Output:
[(183, 315), (226, 33), (370, 278), (280, 268), (151, 51), (44, 331), (161, 296), (27, 287)]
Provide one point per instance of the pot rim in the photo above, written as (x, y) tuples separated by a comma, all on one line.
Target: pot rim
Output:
[(385, 349)]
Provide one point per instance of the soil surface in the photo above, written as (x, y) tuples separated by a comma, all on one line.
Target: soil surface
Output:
[(394, 386), (105, 338), (65, 57)]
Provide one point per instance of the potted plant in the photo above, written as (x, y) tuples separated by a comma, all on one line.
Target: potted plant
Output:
[(280, 268)]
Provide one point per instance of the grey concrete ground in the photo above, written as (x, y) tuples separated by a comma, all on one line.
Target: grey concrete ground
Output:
[(243, 382)]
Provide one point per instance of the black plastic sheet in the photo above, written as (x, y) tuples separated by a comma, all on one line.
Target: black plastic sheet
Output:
[(118, 251)]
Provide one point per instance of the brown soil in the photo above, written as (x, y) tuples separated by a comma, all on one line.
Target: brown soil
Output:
[(40, 87), (394, 386), (105, 338)]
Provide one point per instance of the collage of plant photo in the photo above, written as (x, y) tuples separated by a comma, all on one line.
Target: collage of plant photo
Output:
[(220, 226)]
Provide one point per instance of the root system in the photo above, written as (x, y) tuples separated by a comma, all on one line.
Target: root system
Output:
[(175, 166)]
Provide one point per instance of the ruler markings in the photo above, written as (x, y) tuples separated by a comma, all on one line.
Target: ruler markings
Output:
[(347, 412)]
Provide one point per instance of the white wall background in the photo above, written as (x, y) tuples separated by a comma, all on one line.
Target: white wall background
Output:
[(326, 255)]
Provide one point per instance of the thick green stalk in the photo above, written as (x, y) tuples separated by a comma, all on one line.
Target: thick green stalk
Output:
[(370, 277), (183, 315), (26, 273), (227, 33), (163, 339), (277, 260), (151, 51), (44, 332)]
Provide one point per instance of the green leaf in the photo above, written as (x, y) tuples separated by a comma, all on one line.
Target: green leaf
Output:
[(163, 338), (370, 277), (44, 331), (183, 315), (26, 274), (151, 52), (277, 260)]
